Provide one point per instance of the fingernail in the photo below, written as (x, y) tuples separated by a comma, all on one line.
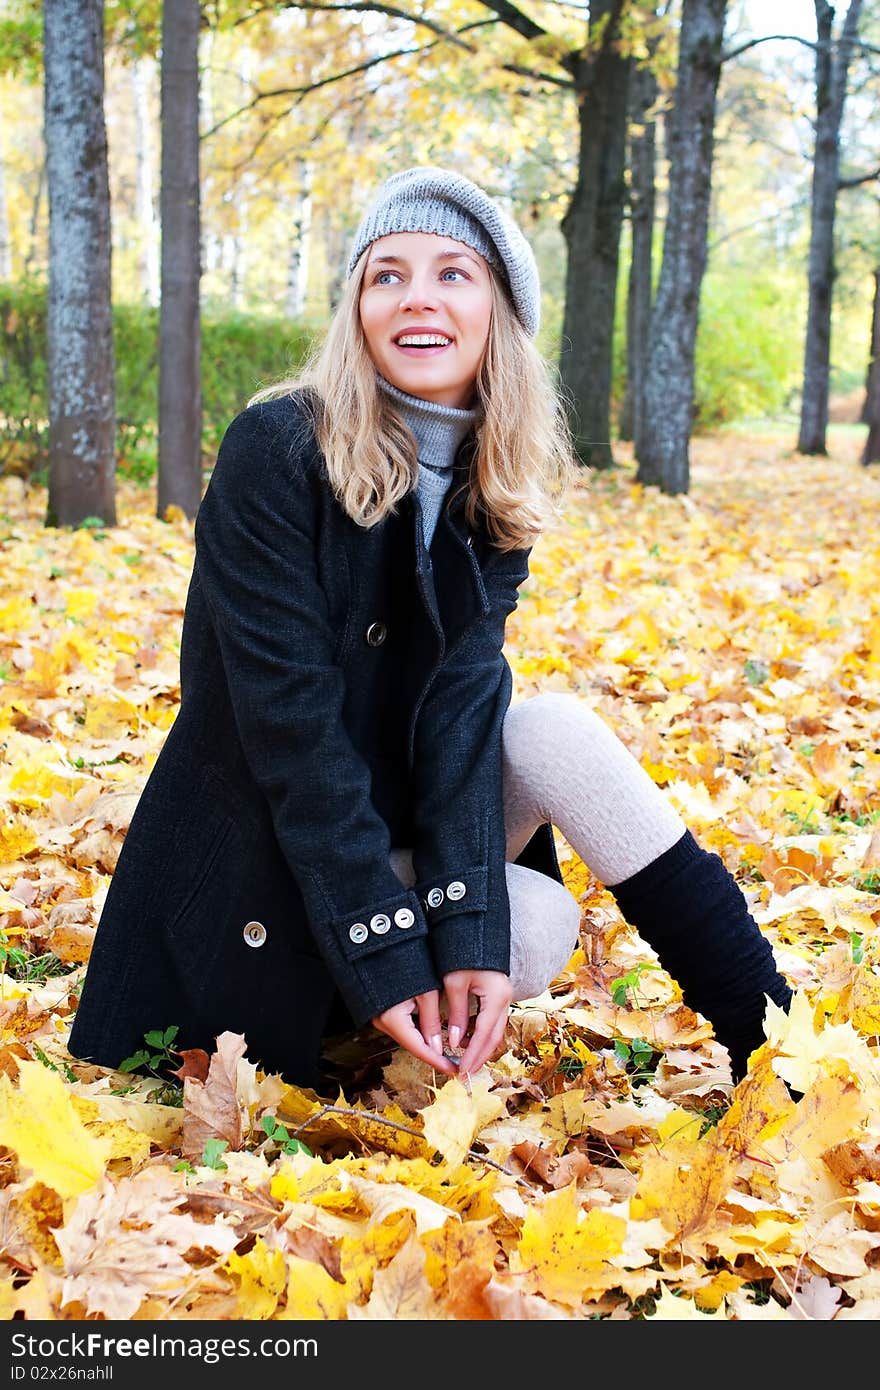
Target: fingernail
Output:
[(436, 1042), (454, 1036)]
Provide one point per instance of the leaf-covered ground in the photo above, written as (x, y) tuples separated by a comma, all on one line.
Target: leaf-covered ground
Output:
[(601, 1166)]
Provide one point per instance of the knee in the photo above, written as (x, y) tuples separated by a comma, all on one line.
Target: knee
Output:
[(527, 719), (544, 926), (553, 720)]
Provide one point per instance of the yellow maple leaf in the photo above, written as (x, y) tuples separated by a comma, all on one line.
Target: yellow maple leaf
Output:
[(400, 1291), (16, 840), (672, 1308), (124, 1142), (360, 1257), (683, 1183), (561, 1250), (455, 1117), (450, 1247), (262, 1278), (312, 1293), (38, 1120)]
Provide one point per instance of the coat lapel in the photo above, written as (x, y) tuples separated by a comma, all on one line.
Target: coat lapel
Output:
[(454, 592)]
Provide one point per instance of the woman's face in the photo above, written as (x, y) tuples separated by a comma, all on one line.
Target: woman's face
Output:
[(425, 308)]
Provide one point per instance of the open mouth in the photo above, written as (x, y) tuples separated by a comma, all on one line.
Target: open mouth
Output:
[(422, 342)]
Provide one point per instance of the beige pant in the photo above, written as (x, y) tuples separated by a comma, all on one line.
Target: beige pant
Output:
[(563, 764)]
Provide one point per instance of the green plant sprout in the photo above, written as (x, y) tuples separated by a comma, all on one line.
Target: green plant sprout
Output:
[(624, 983), (279, 1135)]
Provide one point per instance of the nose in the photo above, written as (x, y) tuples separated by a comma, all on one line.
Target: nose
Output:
[(419, 293)]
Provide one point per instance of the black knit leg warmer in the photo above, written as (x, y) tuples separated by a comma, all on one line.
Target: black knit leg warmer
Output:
[(692, 912)]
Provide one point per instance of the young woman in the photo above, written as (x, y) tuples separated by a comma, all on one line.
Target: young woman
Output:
[(349, 821)]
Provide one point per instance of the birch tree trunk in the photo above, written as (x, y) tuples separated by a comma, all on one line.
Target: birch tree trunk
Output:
[(5, 238), (663, 438), (832, 67), (640, 288), (180, 392), (141, 75), (591, 227), (298, 260), (82, 413)]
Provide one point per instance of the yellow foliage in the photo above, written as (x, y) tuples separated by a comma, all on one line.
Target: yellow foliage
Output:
[(262, 1279), (39, 1122)]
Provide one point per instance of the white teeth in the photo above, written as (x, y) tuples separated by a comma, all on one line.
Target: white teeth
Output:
[(422, 340)]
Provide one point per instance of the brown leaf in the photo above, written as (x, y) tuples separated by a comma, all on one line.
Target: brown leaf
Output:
[(554, 1172), (71, 931), (317, 1247), (854, 1160), (211, 1108), (31, 724), (195, 1063), (125, 1241)]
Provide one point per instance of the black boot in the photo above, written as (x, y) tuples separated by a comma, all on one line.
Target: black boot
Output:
[(692, 912)]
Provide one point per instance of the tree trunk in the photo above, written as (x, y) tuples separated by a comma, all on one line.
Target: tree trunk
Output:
[(640, 288), (871, 452), (5, 239), (873, 351), (831, 77), (82, 409), (180, 393), (591, 227), (298, 258), (34, 250), (667, 417), (141, 73)]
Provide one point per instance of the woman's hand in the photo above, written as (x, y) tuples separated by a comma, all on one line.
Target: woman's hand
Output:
[(424, 1042), (494, 992)]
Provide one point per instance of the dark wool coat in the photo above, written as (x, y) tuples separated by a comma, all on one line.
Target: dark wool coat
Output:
[(342, 691)]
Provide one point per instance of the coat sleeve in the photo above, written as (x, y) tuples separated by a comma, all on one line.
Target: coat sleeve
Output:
[(459, 851), (256, 561)]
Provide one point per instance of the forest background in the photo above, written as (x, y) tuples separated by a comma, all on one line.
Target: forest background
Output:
[(718, 604), (303, 109)]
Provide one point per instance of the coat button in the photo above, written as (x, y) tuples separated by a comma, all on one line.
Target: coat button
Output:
[(455, 891), (435, 897), (404, 918), (254, 933), (357, 933), (376, 634), (380, 924)]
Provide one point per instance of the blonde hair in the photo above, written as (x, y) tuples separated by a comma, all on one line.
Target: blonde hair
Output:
[(523, 459)]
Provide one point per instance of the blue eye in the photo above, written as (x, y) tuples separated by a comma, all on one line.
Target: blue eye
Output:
[(453, 270), (382, 277)]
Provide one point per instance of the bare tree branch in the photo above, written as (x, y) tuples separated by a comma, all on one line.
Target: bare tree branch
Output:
[(308, 87), (515, 19), (359, 6), (537, 76), (858, 179), (768, 38)]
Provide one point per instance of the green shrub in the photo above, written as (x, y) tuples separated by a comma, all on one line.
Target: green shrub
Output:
[(240, 353), (749, 351)]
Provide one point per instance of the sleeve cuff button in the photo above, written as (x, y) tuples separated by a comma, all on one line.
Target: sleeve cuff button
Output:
[(357, 933), (435, 897), (455, 891), (404, 918)]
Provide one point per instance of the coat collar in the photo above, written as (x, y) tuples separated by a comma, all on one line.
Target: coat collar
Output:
[(449, 577)]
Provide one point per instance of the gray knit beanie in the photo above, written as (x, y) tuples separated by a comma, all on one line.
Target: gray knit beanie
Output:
[(428, 199)]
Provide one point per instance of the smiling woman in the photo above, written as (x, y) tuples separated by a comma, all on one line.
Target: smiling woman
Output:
[(349, 822), (425, 309)]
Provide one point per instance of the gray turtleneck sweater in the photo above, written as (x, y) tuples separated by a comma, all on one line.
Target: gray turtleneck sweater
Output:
[(438, 431)]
